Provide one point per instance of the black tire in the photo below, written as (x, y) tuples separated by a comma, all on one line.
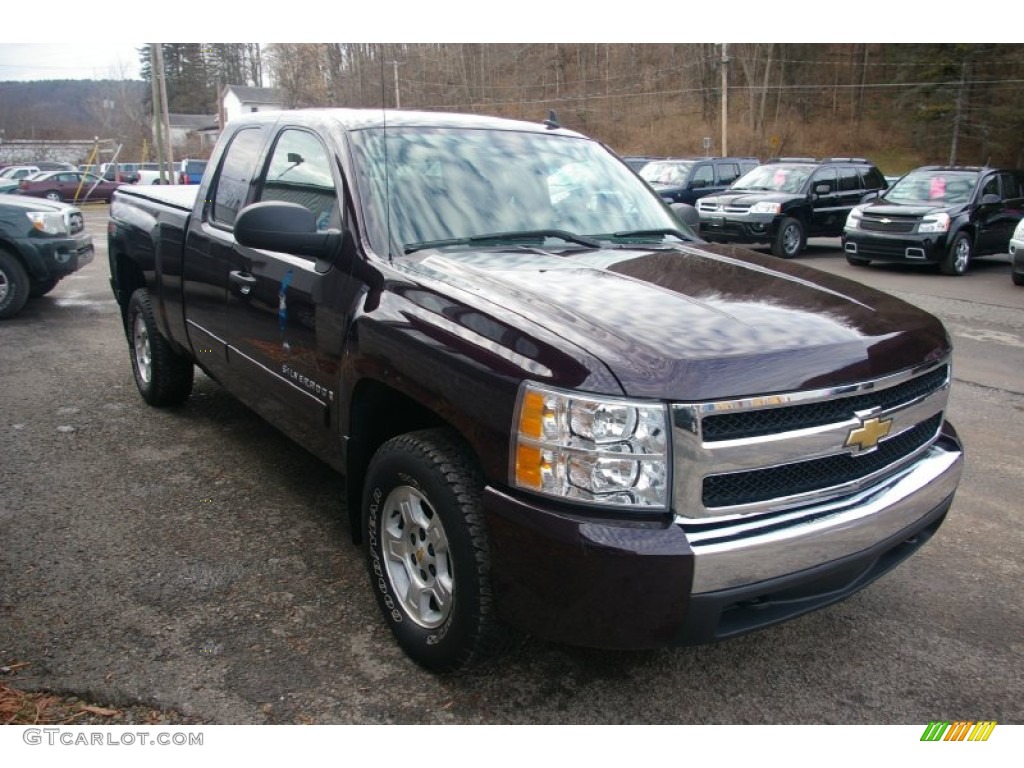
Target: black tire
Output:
[(42, 288), (1018, 277), (857, 261), (789, 239), (422, 492), (958, 256), (163, 376), (14, 285)]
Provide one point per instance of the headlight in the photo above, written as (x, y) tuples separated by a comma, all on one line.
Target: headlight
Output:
[(587, 448), (49, 222), (772, 208), (1018, 233), (854, 217), (934, 222)]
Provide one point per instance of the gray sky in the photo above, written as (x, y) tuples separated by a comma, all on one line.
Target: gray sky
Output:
[(69, 61)]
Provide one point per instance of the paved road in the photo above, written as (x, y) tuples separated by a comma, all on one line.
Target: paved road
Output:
[(196, 559)]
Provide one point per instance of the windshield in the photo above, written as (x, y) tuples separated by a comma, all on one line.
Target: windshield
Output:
[(933, 188), (673, 174), (775, 178), (431, 187)]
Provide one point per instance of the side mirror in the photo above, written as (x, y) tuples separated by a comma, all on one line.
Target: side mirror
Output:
[(687, 214), (822, 189), (698, 184), (287, 228), (870, 196)]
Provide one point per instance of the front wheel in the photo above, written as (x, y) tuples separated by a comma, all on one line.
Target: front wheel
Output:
[(789, 240), (427, 550), (14, 285), (163, 376), (958, 256)]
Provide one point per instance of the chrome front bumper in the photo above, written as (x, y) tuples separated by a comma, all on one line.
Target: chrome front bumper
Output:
[(738, 552)]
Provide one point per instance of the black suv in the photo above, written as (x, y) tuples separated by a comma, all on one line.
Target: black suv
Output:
[(686, 180), (938, 215), (787, 200)]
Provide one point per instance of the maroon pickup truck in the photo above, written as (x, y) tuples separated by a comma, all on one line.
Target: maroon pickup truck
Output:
[(557, 410)]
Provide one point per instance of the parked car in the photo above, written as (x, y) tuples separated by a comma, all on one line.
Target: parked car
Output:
[(191, 171), (149, 173), (938, 215), (1017, 254), (787, 200), (68, 185), (636, 162), (43, 242), (686, 180), (17, 172)]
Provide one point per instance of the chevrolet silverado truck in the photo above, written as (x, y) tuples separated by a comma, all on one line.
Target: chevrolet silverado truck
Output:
[(558, 411), (41, 243)]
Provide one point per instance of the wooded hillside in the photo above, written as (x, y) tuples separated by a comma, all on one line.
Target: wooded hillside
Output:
[(901, 105)]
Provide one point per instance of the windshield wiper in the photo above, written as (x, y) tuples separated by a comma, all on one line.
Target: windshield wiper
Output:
[(647, 233), (505, 237)]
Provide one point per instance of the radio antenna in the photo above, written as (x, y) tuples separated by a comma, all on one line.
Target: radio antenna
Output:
[(387, 164)]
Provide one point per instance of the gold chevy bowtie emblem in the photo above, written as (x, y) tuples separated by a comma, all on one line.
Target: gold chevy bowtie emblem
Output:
[(868, 434)]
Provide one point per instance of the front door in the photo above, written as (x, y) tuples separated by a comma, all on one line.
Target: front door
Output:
[(287, 315)]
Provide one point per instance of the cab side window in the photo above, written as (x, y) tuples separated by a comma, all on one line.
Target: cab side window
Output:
[(300, 172), (728, 173), (703, 176), (991, 186), (826, 177), (237, 171), (849, 180)]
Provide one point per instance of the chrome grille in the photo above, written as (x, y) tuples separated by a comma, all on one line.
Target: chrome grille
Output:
[(733, 426), (888, 224), (768, 454)]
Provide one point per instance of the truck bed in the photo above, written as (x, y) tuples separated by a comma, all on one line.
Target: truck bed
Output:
[(181, 196)]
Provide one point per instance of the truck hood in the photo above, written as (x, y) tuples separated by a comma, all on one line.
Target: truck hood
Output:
[(33, 203), (698, 322), (887, 208), (750, 197)]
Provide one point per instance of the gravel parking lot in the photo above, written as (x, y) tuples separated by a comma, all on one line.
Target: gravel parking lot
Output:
[(195, 559)]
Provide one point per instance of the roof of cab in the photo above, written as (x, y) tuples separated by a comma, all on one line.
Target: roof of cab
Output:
[(357, 119)]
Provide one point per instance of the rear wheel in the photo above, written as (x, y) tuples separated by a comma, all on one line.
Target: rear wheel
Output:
[(427, 550), (163, 376), (958, 256), (789, 239), (14, 285)]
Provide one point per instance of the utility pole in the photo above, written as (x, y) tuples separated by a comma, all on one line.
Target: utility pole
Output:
[(166, 116), (157, 71), (398, 102), (959, 113), (725, 100)]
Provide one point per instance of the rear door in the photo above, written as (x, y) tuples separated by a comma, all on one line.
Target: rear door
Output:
[(210, 248)]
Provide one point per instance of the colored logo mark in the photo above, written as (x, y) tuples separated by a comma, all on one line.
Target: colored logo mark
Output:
[(959, 730)]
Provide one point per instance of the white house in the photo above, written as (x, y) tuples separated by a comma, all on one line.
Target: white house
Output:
[(237, 100), (193, 132)]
